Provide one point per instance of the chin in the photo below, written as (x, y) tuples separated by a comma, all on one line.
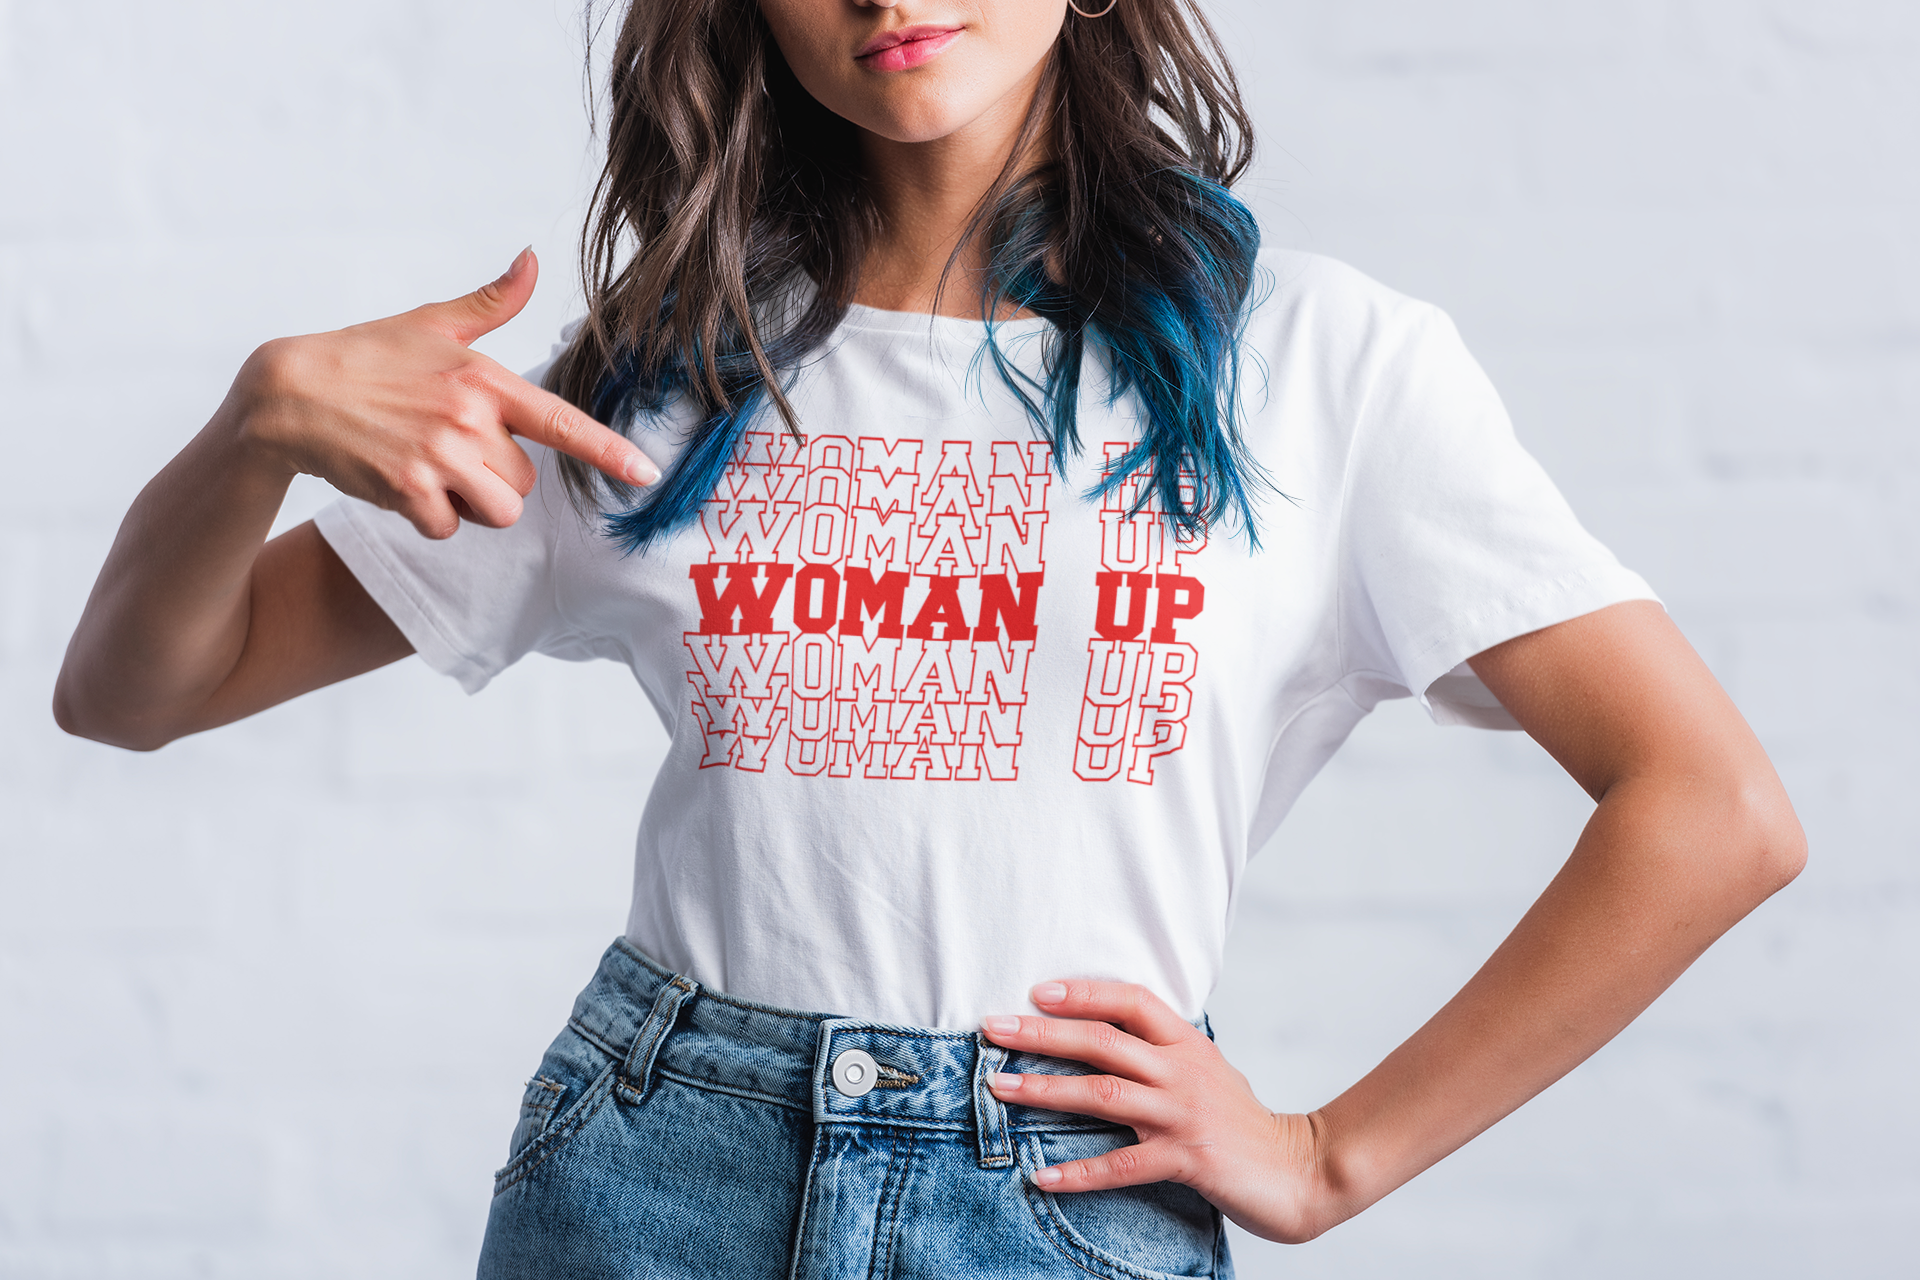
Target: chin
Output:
[(902, 131), (921, 117)]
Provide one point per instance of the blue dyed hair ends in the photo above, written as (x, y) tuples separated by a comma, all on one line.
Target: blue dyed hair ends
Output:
[(1170, 318), (736, 185)]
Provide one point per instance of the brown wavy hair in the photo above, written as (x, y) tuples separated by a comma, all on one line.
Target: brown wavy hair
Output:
[(726, 182)]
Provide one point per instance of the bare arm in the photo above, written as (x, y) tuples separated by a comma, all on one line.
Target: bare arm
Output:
[(1691, 832), (196, 620)]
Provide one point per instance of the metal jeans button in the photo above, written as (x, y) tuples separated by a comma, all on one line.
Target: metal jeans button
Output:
[(854, 1072)]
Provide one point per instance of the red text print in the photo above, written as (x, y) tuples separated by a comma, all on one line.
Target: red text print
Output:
[(868, 605), (1139, 687)]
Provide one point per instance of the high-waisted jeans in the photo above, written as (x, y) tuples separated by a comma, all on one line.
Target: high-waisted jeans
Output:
[(672, 1132)]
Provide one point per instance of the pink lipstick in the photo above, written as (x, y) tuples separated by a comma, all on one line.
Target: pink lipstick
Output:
[(906, 48)]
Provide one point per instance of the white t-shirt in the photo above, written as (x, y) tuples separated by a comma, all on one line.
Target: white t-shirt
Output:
[(941, 727)]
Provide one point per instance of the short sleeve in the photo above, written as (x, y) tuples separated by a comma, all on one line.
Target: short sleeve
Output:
[(1454, 539), (473, 604)]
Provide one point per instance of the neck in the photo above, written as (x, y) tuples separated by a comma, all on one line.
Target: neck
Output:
[(927, 194)]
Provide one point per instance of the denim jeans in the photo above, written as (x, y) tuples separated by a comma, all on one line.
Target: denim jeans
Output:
[(672, 1132)]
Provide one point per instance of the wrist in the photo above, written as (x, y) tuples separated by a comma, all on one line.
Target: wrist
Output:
[(250, 426), (1298, 1191), (1353, 1174)]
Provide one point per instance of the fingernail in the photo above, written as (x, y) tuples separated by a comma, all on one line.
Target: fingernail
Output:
[(1001, 1025), (641, 471), (1050, 993), (513, 268), (1045, 1177), (1006, 1081)]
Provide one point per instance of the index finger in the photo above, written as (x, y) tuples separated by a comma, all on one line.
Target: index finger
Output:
[(1101, 1045), (541, 416), (1127, 1005)]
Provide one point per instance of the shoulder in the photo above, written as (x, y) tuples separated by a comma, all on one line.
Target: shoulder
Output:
[(1323, 342), (1331, 312)]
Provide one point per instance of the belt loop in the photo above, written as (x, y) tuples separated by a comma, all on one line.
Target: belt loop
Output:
[(989, 1113), (637, 1071)]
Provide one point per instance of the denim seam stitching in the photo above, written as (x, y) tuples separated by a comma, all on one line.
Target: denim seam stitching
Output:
[(712, 1086), (597, 1040), (892, 1194), (545, 1103), (897, 1122), (1064, 1237), (858, 1026), (993, 1145), (738, 1091), (552, 1141), (662, 1017), (802, 1230)]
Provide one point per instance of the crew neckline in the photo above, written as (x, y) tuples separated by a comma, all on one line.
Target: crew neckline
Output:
[(875, 320)]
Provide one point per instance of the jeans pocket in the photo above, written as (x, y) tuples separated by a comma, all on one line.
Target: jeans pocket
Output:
[(1129, 1233), (537, 1108), (574, 1081)]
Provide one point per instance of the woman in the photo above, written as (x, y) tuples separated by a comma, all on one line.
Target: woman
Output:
[(1005, 543)]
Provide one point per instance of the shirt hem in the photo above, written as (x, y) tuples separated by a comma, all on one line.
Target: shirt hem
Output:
[(389, 588), (1572, 595)]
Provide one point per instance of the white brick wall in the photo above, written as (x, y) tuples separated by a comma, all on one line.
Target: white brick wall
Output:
[(267, 996)]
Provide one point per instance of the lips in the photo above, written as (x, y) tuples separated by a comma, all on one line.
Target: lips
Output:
[(906, 48)]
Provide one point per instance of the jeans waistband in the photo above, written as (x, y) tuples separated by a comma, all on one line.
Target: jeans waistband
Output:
[(661, 1024)]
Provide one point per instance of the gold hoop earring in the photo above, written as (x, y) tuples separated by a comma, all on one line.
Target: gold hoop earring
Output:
[(1083, 13)]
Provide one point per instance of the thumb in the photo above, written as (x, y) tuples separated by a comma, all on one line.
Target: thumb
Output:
[(489, 306)]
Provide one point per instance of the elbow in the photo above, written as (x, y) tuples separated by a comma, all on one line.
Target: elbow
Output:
[(63, 711), (72, 713), (1776, 844), (1786, 854)]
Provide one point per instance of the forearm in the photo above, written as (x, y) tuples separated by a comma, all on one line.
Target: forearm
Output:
[(1692, 831), (168, 616), (194, 623), (1664, 867)]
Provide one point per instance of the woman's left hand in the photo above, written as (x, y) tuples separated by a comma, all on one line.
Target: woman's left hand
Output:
[(1691, 832), (1196, 1117)]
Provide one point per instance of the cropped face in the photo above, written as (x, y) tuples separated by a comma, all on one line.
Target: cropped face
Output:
[(916, 70)]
